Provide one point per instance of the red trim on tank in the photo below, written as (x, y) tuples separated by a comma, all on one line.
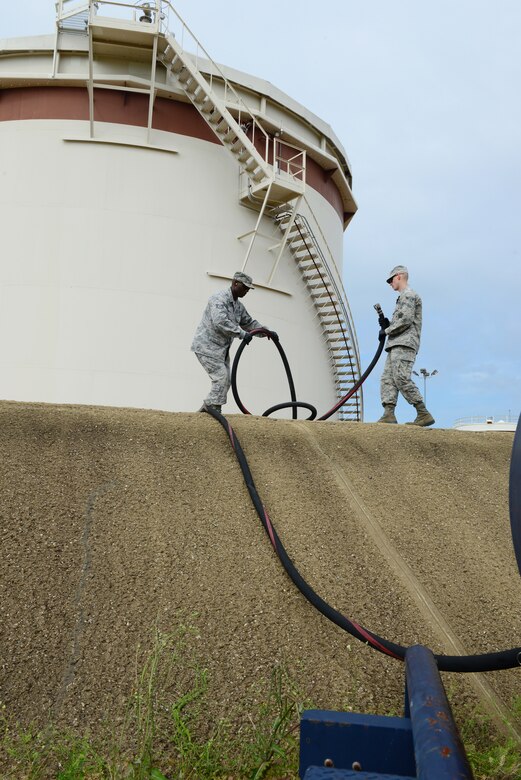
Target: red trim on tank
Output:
[(131, 108)]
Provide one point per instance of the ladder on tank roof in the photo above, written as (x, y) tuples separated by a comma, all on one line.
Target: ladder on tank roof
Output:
[(328, 299)]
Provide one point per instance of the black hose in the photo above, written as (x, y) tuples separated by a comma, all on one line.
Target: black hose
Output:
[(293, 404), (486, 662), (515, 494)]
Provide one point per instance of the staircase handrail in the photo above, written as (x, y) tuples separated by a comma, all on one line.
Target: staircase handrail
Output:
[(62, 5)]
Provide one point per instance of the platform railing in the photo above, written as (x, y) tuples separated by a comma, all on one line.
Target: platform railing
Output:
[(294, 166), (490, 420)]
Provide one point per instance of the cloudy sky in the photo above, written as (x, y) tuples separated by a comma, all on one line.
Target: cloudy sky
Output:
[(425, 98)]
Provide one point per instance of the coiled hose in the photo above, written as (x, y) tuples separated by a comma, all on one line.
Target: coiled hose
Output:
[(294, 404)]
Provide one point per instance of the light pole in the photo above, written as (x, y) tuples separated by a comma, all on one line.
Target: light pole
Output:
[(425, 374)]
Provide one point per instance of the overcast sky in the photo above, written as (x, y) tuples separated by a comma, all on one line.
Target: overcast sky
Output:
[(425, 98)]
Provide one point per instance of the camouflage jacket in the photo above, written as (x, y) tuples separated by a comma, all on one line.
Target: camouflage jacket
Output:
[(405, 327), (223, 320)]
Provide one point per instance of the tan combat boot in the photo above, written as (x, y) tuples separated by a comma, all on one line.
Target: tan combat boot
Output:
[(423, 416), (388, 416)]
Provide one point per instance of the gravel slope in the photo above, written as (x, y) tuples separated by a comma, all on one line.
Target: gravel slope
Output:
[(116, 520)]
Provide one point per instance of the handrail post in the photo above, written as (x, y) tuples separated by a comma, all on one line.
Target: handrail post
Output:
[(438, 749)]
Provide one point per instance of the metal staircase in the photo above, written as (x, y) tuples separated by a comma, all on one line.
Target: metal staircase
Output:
[(242, 135), (215, 113), (330, 305)]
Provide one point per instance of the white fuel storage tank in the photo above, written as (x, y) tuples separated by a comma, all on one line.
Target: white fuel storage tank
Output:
[(137, 177)]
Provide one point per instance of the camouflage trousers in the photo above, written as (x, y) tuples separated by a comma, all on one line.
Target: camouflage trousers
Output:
[(219, 372), (396, 377)]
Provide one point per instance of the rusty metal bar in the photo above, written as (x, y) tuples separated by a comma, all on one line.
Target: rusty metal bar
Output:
[(438, 749)]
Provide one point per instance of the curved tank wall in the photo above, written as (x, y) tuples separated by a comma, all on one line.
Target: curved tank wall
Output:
[(112, 246)]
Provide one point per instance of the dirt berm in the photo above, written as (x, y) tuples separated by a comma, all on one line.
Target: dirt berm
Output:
[(114, 521)]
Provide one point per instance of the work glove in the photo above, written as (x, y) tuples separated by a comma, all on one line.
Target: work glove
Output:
[(383, 321), (273, 335), (247, 338)]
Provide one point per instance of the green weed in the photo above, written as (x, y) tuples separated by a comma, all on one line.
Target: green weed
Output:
[(165, 734), (492, 756), (271, 746)]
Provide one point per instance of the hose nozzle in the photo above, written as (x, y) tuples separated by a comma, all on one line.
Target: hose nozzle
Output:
[(378, 309)]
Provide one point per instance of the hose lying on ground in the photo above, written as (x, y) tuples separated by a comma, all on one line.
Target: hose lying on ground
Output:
[(486, 662)]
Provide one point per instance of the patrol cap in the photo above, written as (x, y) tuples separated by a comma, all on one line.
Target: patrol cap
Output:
[(398, 269), (239, 276)]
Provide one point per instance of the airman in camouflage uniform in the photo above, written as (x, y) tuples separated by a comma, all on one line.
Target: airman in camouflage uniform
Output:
[(403, 342), (224, 319)]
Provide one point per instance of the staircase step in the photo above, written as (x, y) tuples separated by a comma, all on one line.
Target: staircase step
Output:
[(308, 263), (177, 64), (258, 175), (199, 97), (184, 76), (321, 294), (169, 54), (311, 270), (329, 311), (325, 287), (216, 118), (230, 138), (191, 87), (208, 107), (327, 306), (331, 331), (305, 256)]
